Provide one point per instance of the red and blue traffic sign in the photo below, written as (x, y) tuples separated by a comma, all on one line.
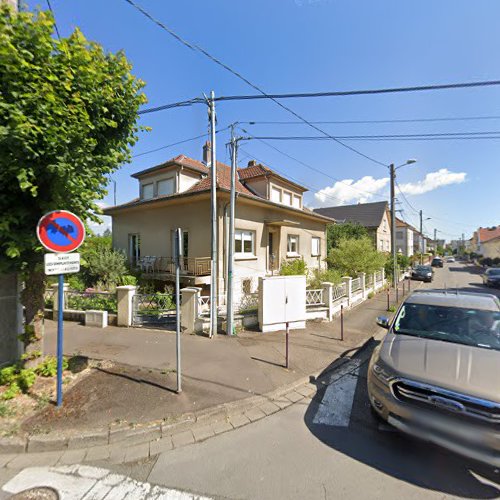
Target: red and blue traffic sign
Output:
[(60, 231)]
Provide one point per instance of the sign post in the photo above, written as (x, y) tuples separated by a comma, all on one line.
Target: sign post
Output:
[(178, 257), (60, 232)]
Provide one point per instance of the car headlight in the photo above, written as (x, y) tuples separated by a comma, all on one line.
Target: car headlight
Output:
[(383, 372), (429, 275)]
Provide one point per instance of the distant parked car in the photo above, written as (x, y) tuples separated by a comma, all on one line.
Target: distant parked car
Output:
[(491, 277), (422, 273), (450, 259), (437, 262)]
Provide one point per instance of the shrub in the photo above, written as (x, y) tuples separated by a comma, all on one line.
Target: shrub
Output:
[(98, 302), (486, 261), (371, 295), (106, 266), (48, 368), (319, 276), (355, 256), (8, 375), (128, 279), (293, 267), (12, 391), (75, 282), (26, 379)]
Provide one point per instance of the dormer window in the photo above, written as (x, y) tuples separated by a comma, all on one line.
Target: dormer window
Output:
[(166, 187), (148, 191), (276, 195)]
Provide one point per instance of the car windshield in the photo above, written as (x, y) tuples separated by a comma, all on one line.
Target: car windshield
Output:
[(474, 327), (425, 269), (494, 272)]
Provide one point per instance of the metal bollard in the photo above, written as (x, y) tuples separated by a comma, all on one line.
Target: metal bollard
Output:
[(342, 322), (388, 298), (286, 355)]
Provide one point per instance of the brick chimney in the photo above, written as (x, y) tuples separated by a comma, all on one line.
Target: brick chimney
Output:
[(207, 151)]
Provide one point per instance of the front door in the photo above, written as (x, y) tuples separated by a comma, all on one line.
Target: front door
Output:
[(271, 252)]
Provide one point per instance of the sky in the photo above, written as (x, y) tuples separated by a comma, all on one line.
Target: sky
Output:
[(286, 46)]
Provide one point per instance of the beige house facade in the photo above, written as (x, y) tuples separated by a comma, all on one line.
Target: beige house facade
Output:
[(271, 224)]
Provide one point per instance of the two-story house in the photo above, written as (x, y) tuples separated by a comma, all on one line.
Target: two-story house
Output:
[(271, 223), (404, 238), (373, 216)]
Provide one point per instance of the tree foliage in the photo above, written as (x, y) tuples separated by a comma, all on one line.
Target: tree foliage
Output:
[(345, 231), (68, 114), (68, 117), (353, 256)]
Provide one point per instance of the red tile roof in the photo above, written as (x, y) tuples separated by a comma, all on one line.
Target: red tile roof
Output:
[(258, 170), (488, 233), (181, 160), (223, 181)]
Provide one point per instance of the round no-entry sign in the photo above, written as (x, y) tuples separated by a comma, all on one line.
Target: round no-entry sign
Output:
[(60, 231)]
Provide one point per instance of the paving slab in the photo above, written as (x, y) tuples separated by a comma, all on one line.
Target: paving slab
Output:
[(202, 432), (160, 445), (182, 439)]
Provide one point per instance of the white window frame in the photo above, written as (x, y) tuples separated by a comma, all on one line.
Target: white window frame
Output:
[(287, 194), (244, 235), (275, 189), (292, 253), (152, 191), (296, 201), (315, 252), (168, 179)]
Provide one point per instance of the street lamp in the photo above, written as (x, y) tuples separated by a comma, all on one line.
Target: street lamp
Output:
[(393, 169)]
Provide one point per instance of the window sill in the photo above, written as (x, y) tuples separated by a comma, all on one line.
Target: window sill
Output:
[(293, 255), (245, 257)]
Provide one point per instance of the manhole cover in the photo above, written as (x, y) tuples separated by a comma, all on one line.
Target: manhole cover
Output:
[(41, 493)]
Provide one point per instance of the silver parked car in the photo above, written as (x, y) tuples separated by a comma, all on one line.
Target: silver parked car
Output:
[(436, 374)]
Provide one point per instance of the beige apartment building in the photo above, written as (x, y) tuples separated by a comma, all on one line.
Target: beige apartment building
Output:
[(271, 223)]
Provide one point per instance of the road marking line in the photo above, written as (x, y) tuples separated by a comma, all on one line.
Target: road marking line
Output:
[(336, 407)]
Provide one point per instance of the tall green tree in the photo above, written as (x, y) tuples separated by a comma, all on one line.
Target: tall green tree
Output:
[(345, 231), (353, 256), (68, 117)]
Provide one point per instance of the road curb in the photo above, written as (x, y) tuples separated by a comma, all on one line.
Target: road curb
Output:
[(120, 443)]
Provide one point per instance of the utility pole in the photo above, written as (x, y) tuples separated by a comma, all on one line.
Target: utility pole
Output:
[(421, 238), (230, 264), (393, 226), (213, 194), (463, 244), (435, 241)]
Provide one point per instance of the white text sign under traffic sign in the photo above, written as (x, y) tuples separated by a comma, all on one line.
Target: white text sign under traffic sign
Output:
[(62, 263)]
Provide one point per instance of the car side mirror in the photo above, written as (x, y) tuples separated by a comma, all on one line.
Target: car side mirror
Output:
[(383, 321)]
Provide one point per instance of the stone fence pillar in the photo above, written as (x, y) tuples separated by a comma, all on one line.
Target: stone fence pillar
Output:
[(55, 307), (124, 298), (328, 298), (189, 308), (348, 288)]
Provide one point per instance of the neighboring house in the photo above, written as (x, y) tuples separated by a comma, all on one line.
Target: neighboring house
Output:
[(404, 238), (271, 223), (373, 216), (482, 238), (419, 242), (491, 248)]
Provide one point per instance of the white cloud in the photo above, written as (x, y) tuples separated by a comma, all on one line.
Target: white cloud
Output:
[(433, 180), (349, 191)]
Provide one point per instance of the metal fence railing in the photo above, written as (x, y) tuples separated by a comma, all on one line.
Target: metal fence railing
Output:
[(339, 291), (356, 284), (378, 276), (369, 280), (314, 297)]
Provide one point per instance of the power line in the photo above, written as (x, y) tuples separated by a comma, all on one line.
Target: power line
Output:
[(394, 120), (311, 188), (447, 135), (190, 102), (419, 88), (195, 47), (176, 143), (53, 15), (310, 166)]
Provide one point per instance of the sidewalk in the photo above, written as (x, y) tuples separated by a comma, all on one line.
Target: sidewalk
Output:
[(227, 382)]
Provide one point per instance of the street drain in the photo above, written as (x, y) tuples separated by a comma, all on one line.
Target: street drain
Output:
[(39, 493)]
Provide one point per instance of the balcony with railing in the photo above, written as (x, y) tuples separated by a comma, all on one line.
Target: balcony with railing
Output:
[(189, 266)]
